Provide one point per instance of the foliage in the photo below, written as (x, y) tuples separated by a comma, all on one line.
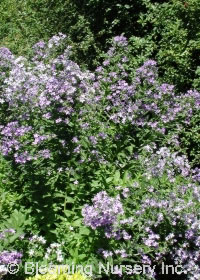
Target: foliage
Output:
[(8, 199), (21, 26), (174, 28)]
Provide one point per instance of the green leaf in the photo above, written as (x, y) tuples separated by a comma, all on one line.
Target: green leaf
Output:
[(109, 179), (116, 177), (77, 223), (69, 213), (69, 199), (84, 231)]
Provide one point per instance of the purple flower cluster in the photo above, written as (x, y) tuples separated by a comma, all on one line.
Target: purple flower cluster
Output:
[(6, 60), (40, 94), (7, 257), (148, 73), (120, 40), (152, 240), (121, 252), (42, 50), (163, 161), (50, 91), (143, 101), (105, 253), (181, 215), (104, 211), (11, 134)]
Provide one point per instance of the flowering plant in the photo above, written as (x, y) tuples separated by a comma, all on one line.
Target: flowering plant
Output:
[(97, 160)]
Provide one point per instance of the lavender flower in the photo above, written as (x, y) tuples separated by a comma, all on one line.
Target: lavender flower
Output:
[(7, 257), (104, 211)]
